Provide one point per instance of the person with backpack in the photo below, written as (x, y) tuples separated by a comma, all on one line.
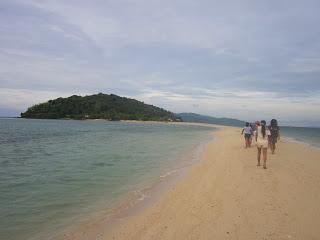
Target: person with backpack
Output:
[(274, 134)]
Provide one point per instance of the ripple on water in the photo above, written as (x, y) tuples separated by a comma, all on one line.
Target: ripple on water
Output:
[(53, 171)]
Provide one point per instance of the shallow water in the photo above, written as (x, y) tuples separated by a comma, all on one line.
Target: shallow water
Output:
[(303, 134), (54, 173)]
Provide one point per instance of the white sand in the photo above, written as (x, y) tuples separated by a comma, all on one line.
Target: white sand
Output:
[(226, 196)]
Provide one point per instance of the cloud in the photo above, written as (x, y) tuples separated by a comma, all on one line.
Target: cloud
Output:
[(239, 104), (214, 56), (24, 97), (304, 65)]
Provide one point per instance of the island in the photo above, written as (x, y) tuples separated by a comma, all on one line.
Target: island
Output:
[(99, 106)]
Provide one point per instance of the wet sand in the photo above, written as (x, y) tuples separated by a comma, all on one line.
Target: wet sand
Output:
[(226, 196)]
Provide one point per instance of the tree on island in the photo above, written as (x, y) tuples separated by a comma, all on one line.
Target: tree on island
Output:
[(98, 106)]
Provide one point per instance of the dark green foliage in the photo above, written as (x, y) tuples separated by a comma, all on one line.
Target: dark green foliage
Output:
[(192, 117), (98, 106)]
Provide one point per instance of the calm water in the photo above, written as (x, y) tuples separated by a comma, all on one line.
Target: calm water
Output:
[(55, 172), (303, 134)]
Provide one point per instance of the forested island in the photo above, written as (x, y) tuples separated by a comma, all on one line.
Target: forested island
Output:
[(98, 106)]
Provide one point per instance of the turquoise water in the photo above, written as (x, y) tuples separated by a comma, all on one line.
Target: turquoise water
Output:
[(303, 134), (53, 173)]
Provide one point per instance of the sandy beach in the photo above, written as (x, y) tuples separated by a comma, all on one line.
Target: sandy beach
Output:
[(226, 196)]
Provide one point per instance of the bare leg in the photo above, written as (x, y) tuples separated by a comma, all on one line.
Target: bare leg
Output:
[(264, 153), (258, 156), (273, 147)]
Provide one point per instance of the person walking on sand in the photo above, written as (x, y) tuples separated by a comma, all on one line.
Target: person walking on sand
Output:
[(274, 134), (247, 130), (253, 128), (261, 136)]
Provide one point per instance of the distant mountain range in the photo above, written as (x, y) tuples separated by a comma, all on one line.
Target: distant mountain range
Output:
[(98, 106), (193, 117)]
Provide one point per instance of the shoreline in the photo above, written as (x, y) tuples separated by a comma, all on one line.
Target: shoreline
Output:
[(226, 196), (155, 147), (297, 141), (137, 201)]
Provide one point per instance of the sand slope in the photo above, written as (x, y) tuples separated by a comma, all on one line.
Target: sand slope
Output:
[(227, 196)]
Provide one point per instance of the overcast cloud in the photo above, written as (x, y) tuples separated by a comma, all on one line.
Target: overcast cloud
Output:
[(242, 59)]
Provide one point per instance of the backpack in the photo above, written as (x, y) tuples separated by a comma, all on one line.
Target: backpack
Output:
[(274, 131)]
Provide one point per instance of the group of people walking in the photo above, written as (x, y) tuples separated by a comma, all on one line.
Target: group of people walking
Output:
[(265, 136)]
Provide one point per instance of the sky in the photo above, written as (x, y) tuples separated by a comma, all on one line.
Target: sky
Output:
[(241, 59)]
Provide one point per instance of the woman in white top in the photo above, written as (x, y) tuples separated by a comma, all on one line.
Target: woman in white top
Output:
[(261, 134), (247, 130)]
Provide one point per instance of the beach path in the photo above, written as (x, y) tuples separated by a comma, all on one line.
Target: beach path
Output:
[(226, 196)]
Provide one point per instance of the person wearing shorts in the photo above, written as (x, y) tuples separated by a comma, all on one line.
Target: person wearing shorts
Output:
[(261, 135), (247, 130)]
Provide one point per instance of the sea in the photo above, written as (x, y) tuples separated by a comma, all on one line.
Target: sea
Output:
[(307, 135), (58, 173)]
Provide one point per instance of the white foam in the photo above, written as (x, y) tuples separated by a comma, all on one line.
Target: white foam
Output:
[(168, 173), (141, 195)]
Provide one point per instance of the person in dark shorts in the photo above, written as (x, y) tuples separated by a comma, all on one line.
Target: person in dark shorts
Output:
[(274, 134), (247, 130)]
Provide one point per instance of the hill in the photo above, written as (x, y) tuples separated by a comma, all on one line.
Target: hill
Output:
[(192, 117), (98, 106)]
